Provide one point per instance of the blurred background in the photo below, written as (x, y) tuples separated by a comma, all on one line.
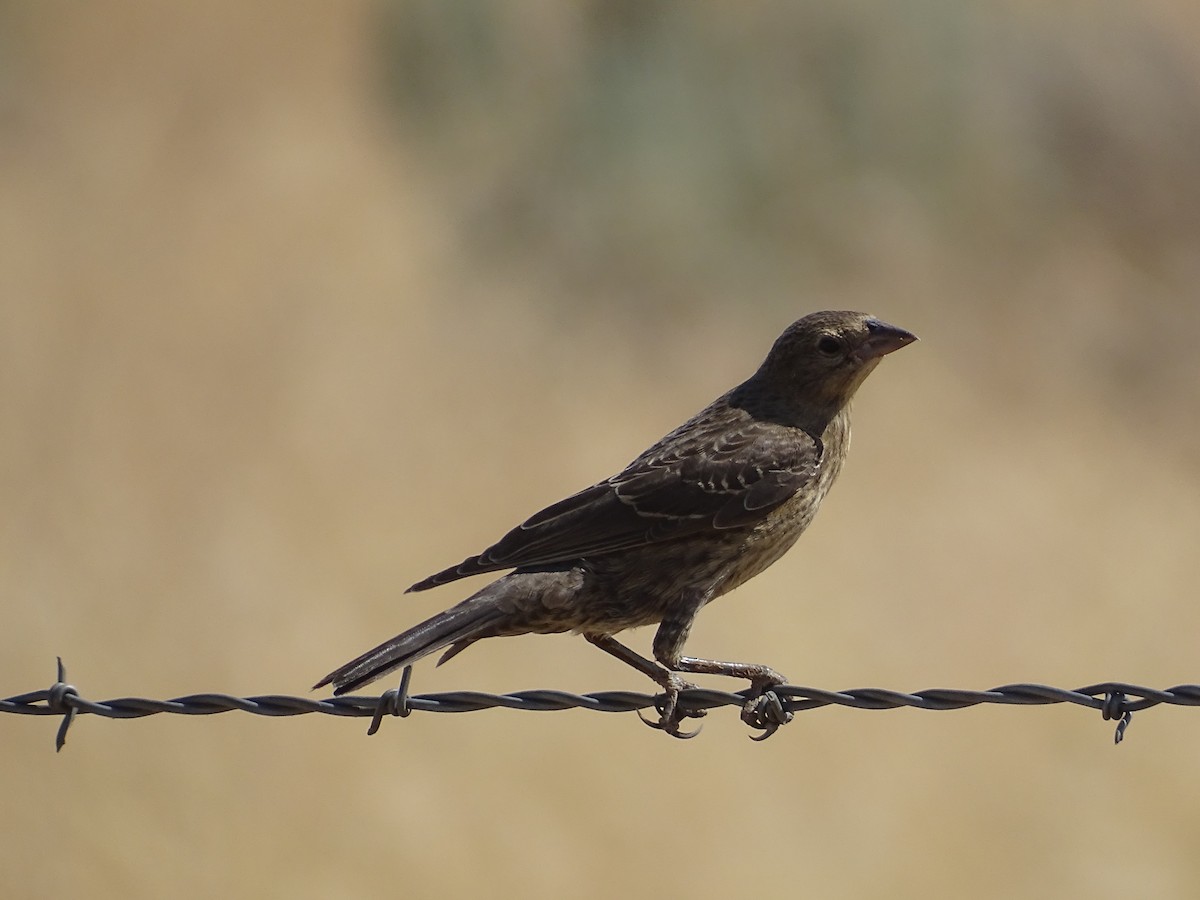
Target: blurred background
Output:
[(303, 301)]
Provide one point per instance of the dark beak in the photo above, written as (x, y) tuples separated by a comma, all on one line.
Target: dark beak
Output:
[(882, 339)]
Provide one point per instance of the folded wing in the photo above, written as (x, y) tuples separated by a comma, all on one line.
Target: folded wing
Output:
[(702, 476)]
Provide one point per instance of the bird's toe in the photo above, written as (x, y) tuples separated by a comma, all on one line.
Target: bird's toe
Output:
[(670, 715), (765, 712)]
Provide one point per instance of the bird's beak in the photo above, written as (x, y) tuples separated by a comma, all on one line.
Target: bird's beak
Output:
[(882, 339)]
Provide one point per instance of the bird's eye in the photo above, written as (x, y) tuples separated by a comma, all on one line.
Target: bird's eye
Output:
[(830, 345)]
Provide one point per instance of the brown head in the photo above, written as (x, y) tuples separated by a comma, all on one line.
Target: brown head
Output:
[(818, 363)]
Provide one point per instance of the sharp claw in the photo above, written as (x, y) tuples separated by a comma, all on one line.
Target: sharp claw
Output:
[(670, 716), (650, 722), (671, 727), (684, 735), (765, 713), (767, 732)]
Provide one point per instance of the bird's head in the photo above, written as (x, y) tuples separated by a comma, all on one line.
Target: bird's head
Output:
[(820, 360)]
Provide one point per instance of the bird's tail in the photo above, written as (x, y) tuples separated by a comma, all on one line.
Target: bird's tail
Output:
[(455, 628)]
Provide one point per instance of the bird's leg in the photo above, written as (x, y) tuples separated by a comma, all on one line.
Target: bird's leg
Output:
[(670, 682), (762, 710), (760, 677)]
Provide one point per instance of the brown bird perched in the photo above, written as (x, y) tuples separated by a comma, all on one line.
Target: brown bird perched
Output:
[(706, 508)]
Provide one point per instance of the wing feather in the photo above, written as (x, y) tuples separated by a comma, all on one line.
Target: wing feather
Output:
[(705, 475)]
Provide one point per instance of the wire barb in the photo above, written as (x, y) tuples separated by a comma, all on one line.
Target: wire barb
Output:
[(393, 702), (1114, 708), (59, 701), (769, 710)]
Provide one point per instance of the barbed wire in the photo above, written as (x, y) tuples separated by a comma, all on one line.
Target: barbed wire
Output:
[(1116, 701)]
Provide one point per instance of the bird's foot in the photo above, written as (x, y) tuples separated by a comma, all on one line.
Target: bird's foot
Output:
[(669, 714), (763, 710)]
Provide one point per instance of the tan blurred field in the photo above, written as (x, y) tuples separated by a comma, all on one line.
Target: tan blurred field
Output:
[(303, 301)]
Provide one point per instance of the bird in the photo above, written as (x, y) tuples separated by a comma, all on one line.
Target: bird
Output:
[(701, 511)]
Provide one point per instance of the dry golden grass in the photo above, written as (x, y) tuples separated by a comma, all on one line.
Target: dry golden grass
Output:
[(276, 345)]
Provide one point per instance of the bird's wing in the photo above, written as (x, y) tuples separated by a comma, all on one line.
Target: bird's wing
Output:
[(702, 476)]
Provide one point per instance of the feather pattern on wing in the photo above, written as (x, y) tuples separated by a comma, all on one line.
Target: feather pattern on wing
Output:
[(701, 476)]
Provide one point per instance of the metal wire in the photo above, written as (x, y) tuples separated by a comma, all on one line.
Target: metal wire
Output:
[(1113, 699)]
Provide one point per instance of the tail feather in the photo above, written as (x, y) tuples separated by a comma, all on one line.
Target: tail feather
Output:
[(460, 624)]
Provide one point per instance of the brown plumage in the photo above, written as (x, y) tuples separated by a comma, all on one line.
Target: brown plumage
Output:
[(704, 509)]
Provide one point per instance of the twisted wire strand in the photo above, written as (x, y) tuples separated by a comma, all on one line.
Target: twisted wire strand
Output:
[(1117, 701)]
